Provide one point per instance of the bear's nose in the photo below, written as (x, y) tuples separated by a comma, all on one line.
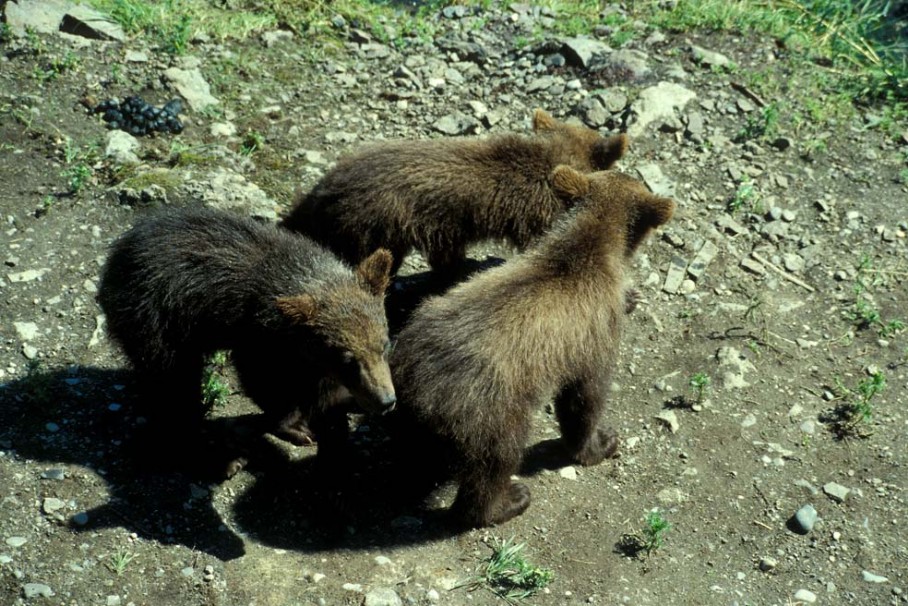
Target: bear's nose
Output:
[(388, 403)]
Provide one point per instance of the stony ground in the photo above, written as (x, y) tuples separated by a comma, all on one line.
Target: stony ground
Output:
[(782, 278)]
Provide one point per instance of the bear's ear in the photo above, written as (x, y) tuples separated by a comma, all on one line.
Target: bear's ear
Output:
[(375, 270), (650, 212), (299, 309), (570, 184), (543, 122), (608, 151)]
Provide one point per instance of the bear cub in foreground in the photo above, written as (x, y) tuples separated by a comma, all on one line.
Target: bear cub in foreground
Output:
[(300, 323), (441, 195), (471, 365)]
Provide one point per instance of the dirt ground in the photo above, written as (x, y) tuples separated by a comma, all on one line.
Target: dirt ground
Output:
[(781, 319)]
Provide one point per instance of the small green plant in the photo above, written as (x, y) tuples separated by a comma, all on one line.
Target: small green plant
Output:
[(56, 67), (863, 313), (763, 124), (253, 141), (6, 32), (119, 560), (46, 204), (745, 195), (699, 384), (214, 388), (648, 540), (852, 418), (77, 177), (508, 575), (177, 38)]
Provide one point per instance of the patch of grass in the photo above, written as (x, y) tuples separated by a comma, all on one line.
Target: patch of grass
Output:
[(508, 574), (853, 417), (214, 387), (762, 124), (161, 177), (853, 51), (745, 196), (119, 560), (253, 141), (863, 312), (6, 33), (56, 67), (644, 543)]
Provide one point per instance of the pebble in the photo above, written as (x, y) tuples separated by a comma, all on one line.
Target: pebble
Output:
[(352, 587), (382, 596), (52, 504), (26, 330), (873, 578), (804, 519), (16, 541), (316, 577), (113, 600), (52, 427), (768, 563), (36, 590), (433, 596), (568, 473), (803, 595), (836, 492), (670, 419), (188, 571), (80, 519)]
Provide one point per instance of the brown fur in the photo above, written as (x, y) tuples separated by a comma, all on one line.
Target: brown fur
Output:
[(300, 323), (471, 365), (441, 195)]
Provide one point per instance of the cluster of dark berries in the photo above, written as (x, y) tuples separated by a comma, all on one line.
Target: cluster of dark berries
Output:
[(137, 117)]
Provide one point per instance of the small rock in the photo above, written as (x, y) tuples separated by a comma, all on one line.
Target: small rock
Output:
[(27, 275), (456, 124), (803, 595), (836, 492), (702, 259), (80, 519), (675, 275), (539, 84), (580, 51), (16, 541), (275, 37), (26, 330), (52, 504), (192, 86), (768, 563), (657, 102), (670, 419), (188, 571), (568, 473), (382, 596), (223, 129), (873, 578), (113, 600), (316, 577), (53, 474), (753, 266), (37, 590), (433, 596), (656, 180), (793, 262), (749, 421), (709, 58), (671, 496), (122, 147), (352, 587), (804, 519)]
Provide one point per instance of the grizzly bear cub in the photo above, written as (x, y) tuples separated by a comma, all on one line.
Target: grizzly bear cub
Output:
[(441, 195), (301, 324), (471, 365)]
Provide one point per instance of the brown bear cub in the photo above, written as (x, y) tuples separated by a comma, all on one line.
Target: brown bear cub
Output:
[(301, 324), (471, 365), (441, 195)]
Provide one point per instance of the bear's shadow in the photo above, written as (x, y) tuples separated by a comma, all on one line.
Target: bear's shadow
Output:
[(82, 416)]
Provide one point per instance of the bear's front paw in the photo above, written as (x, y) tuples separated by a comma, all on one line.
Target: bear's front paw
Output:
[(603, 444), (515, 501), (632, 296)]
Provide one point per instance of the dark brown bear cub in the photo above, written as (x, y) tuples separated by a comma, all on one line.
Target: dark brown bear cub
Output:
[(441, 195), (298, 320), (471, 365)]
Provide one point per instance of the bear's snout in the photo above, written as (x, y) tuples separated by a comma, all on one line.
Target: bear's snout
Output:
[(388, 403)]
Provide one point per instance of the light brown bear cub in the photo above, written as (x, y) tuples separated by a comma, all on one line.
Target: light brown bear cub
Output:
[(471, 365), (441, 195)]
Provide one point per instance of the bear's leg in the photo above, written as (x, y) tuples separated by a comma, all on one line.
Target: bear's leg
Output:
[(578, 407), (447, 262), (487, 496)]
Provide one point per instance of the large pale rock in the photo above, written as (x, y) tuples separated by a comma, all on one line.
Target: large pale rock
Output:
[(43, 16), (86, 22), (192, 86), (658, 102), (580, 51)]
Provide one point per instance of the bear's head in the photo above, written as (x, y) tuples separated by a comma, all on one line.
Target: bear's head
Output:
[(578, 146), (348, 332), (623, 205)]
